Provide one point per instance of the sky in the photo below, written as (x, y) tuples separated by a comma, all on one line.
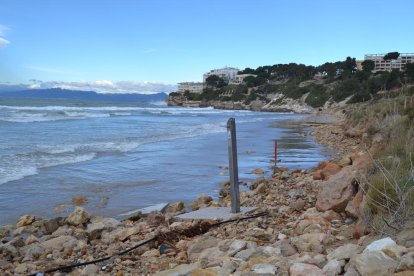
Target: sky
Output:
[(151, 45)]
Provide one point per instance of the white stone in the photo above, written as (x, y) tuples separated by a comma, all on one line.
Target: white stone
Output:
[(59, 242), (301, 269), (236, 246), (375, 263), (184, 269), (344, 252), (380, 244), (78, 216), (90, 270), (333, 267), (264, 268)]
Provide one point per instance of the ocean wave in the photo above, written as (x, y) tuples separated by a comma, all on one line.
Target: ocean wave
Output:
[(22, 165)]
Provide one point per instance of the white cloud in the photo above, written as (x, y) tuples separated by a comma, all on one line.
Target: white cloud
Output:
[(3, 29), (107, 86), (4, 42)]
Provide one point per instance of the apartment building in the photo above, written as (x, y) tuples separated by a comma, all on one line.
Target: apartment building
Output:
[(226, 73), (389, 65), (238, 79), (193, 87)]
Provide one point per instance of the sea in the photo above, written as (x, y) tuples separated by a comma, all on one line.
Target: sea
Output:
[(122, 157)]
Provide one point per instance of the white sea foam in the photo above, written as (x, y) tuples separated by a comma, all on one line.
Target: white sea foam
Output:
[(22, 165), (12, 174)]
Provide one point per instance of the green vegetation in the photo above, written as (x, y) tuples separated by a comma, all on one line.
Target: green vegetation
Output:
[(214, 81), (318, 96), (331, 81), (391, 55), (390, 184)]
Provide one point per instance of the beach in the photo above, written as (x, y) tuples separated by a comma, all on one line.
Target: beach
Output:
[(305, 221), (122, 158)]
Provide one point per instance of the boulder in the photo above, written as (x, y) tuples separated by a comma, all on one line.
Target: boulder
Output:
[(406, 262), (300, 269), (406, 236), (264, 268), (235, 247), (201, 202), (184, 269), (310, 258), (379, 244), (200, 244), (59, 243), (155, 219), (337, 191), (260, 189), (361, 228), (375, 263), (312, 242), (78, 217), (203, 272), (25, 220), (21, 269), (333, 267), (353, 208), (329, 170), (31, 239), (32, 252), (176, 207), (345, 161), (344, 252), (52, 225), (325, 170), (395, 251), (286, 249), (8, 250), (94, 230), (119, 234)]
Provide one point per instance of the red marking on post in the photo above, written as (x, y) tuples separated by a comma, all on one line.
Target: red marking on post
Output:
[(275, 152)]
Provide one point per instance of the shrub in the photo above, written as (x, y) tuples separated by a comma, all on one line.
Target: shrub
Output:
[(346, 88), (317, 96)]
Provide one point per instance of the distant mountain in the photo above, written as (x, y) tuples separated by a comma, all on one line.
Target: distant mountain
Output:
[(58, 93)]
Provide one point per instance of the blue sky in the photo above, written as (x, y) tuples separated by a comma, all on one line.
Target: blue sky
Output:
[(102, 42)]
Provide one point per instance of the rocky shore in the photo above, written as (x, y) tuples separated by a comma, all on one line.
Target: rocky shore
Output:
[(314, 226), (274, 104)]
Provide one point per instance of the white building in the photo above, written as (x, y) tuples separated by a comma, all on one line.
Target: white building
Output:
[(389, 65), (226, 73), (193, 87), (238, 79)]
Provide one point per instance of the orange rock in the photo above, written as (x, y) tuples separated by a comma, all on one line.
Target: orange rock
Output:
[(360, 229), (336, 192), (354, 206), (79, 200), (330, 169), (317, 175)]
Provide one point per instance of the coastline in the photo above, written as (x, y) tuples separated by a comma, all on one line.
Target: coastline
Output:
[(295, 236)]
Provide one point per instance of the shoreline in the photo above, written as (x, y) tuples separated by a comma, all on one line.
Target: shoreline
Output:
[(256, 153), (295, 236)]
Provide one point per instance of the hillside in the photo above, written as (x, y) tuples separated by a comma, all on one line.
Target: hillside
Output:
[(299, 88)]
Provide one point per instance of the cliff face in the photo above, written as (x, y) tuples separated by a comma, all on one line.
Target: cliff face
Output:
[(274, 103)]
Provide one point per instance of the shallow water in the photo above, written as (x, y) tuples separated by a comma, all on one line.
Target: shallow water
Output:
[(127, 157)]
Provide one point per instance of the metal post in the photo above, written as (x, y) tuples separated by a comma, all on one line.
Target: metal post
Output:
[(233, 167), (275, 167)]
